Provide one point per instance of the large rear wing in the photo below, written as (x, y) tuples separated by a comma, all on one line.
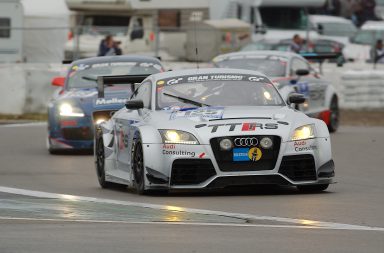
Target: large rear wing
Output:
[(123, 79)]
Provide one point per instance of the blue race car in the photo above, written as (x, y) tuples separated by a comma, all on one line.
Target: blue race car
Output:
[(75, 108)]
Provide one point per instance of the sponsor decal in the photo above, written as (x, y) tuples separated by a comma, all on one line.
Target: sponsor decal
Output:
[(108, 101), (255, 79), (307, 148), (302, 146), (245, 127), (246, 142), (247, 154), (254, 154), (240, 154), (174, 81), (123, 140), (212, 77), (179, 153), (205, 113), (303, 88), (169, 146)]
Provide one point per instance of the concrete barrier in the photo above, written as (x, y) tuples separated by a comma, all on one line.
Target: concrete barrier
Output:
[(363, 89)]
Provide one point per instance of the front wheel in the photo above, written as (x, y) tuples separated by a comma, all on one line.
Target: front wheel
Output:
[(312, 188), (100, 160), (138, 167), (334, 116)]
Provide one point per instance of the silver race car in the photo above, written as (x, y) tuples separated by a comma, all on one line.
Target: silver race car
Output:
[(211, 128), (290, 73)]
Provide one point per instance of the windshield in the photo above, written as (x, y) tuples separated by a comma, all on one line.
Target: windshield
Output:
[(216, 90), (284, 18), (105, 25), (367, 37), (338, 29), (268, 65), (85, 75)]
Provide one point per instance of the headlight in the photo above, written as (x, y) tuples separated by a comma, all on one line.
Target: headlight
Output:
[(100, 120), (68, 110), (178, 137), (304, 132)]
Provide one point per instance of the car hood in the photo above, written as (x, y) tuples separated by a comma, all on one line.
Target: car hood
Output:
[(209, 122)]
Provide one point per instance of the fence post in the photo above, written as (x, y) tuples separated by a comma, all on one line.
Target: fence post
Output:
[(157, 40)]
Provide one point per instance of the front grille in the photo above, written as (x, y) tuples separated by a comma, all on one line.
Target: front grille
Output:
[(77, 134), (225, 159), (191, 171), (298, 167)]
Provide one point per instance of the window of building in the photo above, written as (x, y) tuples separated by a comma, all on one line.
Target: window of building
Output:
[(5, 30), (169, 18)]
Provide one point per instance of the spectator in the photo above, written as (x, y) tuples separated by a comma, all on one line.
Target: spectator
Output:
[(109, 47), (377, 53), (296, 44)]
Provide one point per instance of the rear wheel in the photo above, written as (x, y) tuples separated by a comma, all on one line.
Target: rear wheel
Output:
[(100, 160), (334, 116), (312, 188), (138, 167)]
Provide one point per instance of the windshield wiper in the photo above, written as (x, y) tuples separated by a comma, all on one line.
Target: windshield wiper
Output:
[(186, 100), (89, 78)]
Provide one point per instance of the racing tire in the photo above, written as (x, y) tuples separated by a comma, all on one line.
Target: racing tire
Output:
[(138, 167), (334, 116), (100, 160), (312, 188), (51, 150)]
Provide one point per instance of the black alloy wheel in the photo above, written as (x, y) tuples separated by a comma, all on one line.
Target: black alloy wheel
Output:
[(138, 167), (334, 116)]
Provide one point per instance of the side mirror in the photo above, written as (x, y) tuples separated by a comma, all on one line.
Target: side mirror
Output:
[(302, 72), (58, 81), (296, 98), (134, 104)]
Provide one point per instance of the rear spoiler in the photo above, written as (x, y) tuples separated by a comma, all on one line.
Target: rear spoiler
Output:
[(110, 80), (321, 56)]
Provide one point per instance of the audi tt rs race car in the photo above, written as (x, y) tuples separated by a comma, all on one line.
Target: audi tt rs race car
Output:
[(211, 128), (291, 73), (75, 108)]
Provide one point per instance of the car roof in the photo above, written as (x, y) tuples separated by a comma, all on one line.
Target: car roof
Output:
[(329, 19), (285, 54), (204, 71), (117, 58), (373, 25)]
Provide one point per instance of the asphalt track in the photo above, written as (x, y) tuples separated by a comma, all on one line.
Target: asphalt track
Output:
[(54, 204)]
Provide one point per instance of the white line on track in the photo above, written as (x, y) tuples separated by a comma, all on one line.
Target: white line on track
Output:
[(297, 223), (31, 124)]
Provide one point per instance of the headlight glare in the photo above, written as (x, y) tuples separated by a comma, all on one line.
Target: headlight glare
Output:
[(68, 110), (178, 137), (304, 132)]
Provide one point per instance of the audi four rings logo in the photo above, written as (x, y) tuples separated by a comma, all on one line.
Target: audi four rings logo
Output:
[(246, 142)]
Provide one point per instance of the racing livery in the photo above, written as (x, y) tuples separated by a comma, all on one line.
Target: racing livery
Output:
[(212, 128), (75, 107), (291, 73)]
